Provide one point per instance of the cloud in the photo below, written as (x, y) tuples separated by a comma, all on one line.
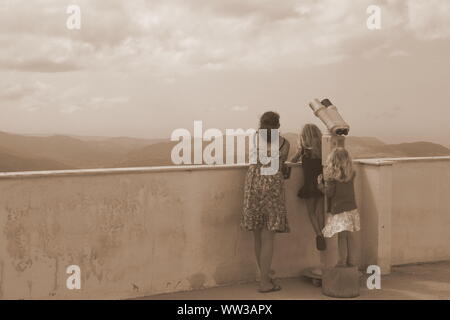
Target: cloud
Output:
[(31, 96), (429, 19), (24, 93), (392, 113), (176, 36), (184, 37), (31, 53), (70, 109), (38, 65), (399, 53), (239, 108), (15, 91), (99, 102), (37, 95), (71, 103)]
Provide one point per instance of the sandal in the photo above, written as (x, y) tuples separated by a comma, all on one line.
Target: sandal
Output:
[(321, 245), (274, 288), (271, 275), (274, 282)]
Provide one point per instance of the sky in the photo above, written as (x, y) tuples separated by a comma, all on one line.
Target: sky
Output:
[(144, 68)]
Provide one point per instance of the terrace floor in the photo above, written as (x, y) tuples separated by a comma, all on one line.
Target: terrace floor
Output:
[(418, 281)]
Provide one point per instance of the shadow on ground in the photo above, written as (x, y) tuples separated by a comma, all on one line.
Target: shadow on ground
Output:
[(419, 281)]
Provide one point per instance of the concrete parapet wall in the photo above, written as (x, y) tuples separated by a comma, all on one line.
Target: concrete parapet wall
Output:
[(143, 231)]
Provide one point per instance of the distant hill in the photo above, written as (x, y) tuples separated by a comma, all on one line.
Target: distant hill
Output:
[(120, 142), (10, 161), (26, 152), (72, 152), (369, 147), (420, 149), (360, 147), (158, 154)]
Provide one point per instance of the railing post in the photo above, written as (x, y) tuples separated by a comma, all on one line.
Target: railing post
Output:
[(384, 217), (375, 202)]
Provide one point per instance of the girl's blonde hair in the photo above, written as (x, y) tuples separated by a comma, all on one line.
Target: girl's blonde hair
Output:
[(339, 166), (311, 139)]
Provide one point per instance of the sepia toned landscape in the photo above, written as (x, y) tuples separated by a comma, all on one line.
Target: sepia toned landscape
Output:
[(115, 116), (59, 152)]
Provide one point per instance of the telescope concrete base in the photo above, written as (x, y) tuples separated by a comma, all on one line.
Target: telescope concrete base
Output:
[(341, 282)]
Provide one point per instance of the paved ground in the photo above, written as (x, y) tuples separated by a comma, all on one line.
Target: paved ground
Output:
[(420, 281)]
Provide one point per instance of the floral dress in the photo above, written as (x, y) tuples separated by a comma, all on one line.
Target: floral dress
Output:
[(340, 219), (344, 221), (264, 197)]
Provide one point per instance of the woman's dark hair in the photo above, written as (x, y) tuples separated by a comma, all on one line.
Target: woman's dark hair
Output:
[(269, 120)]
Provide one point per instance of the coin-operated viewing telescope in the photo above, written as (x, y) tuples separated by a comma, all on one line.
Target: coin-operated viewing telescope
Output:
[(337, 127)]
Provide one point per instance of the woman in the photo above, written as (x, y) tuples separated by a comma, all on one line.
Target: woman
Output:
[(264, 201)]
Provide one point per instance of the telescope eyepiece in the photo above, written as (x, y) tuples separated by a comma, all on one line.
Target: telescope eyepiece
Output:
[(342, 132), (326, 103)]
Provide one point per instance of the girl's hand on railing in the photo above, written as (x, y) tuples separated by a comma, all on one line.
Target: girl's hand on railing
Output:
[(286, 172), (320, 179)]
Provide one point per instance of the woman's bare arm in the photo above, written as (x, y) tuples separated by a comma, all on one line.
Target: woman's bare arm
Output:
[(284, 152)]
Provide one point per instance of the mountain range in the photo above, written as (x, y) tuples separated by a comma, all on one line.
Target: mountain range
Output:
[(59, 152)]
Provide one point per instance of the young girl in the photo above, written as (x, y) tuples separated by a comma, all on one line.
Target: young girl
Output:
[(343, 217), (310, 153)]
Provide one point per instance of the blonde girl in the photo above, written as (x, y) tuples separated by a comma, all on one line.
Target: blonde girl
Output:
[(337, 184), (310, 154)]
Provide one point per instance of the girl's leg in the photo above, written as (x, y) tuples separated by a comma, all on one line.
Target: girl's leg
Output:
[(342, 245), (320, 209), (311, 207), (267, 240), (352, 256), (320, 213)]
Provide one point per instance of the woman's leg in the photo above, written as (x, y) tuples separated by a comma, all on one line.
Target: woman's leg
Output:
[(342, 245), (257, 244), (311, 207), (267, 240)]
